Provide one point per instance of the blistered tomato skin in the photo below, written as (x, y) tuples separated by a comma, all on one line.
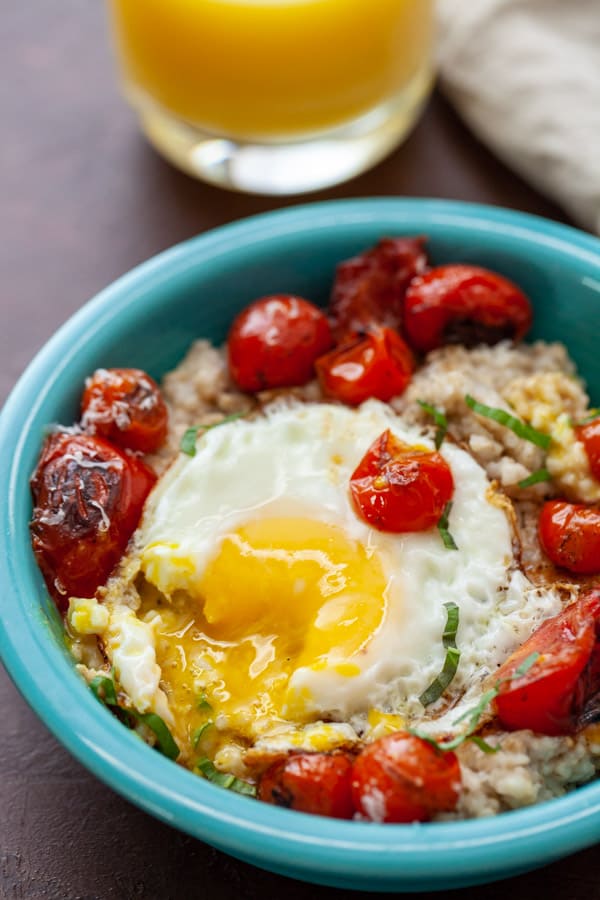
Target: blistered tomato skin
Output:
[(126, 407), (369, 289), (589, 435), (402, 778), (560, 692), (377, 365), (398, 488), (460, 304), (316, 783), (570, 536), (274, 343), (88, 497)]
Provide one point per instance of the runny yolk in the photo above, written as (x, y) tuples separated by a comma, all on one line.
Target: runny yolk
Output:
[(280, 594)]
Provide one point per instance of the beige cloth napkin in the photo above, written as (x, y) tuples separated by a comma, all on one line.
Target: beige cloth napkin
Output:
[(525, 76)]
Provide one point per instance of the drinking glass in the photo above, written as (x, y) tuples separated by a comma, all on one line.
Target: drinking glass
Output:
[(275, 96)]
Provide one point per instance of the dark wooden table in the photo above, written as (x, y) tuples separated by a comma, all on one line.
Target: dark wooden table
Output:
[(83, 199)]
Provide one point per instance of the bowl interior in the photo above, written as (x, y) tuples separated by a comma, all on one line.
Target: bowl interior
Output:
[(148, 319)]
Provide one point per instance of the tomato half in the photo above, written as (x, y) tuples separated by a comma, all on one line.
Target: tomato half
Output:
[(368, 289), (88, 497), (561, 690), (570, 535), (459, 304), (275, 341), (126, 407), (402, 778), (399, 488), (317, 783), (589, 435), (378, 365)]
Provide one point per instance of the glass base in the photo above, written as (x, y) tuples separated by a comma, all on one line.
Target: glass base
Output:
[(290, 166)]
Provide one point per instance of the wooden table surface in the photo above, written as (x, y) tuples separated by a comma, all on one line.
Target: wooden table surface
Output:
[(84, 199)]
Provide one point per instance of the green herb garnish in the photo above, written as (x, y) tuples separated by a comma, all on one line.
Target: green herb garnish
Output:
[(203, 703), (483, 744), (199, 732), (449, 542), (593, 414), (525, 666), (164, 739), (104, 690), (188, 441), (440, 420), (521, 429), (441, 682), (536, 478), (190, 436), (224, 779), (474, 715)]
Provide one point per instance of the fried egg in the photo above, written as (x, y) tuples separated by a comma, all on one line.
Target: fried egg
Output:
[(275, 613)]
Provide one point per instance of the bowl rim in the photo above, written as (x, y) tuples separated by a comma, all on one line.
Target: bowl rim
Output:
[(325, 850)]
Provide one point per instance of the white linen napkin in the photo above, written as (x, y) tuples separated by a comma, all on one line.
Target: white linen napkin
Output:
[(525, 76)]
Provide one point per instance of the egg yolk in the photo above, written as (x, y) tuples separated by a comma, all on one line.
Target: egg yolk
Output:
[(279, 595)]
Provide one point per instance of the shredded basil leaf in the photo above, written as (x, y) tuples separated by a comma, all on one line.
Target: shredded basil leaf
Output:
[(449, 542), (188, 441), (593, 414), (209, 771), (452, 614), (483, 744), (190, 436), (440, 420), (203, 703), (535, 478), (526, 665), (199, 732), (104, 691), (441, 682), (164, 739), (521, 429), (474, 715)]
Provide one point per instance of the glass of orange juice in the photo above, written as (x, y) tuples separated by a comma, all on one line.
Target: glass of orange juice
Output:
[(275, 96)]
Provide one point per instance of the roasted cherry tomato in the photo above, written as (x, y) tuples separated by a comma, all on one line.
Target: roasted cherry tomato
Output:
[(126, 407), (275, 341), (402, 778), (458, 304), (310, 782), (400, 488), (560, 692), (570, 535), (589, 435), (379, 365), (88, 496), (369, 289)]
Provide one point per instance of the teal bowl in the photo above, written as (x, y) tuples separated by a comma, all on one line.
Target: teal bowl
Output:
[(147, 319)]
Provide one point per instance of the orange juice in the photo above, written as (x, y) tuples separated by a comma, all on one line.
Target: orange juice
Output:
[(271, 69)]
